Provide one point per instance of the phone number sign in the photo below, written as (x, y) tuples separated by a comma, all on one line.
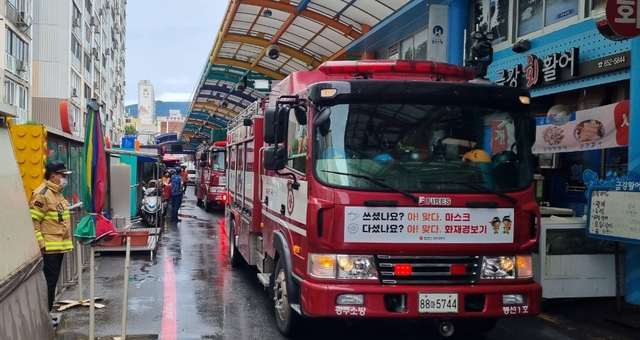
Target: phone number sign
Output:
[(428, 225)]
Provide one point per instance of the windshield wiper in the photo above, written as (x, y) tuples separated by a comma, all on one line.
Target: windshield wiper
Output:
[(378, 182), (476, 185)]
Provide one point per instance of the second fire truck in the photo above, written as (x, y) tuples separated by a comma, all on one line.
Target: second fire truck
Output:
[(211, 178)]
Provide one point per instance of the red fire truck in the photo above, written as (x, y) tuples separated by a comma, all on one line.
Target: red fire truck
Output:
[(211, 177), (387, 189)]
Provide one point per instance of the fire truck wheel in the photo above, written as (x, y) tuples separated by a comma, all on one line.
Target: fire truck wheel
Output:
[(286, 318), (206, 204), (234, 256)]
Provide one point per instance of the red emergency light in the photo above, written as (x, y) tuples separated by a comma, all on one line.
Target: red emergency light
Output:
[(402, 270), (396, 66)]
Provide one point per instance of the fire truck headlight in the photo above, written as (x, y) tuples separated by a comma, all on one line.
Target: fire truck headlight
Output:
[(322, 266), (498, 267), (358, 267)]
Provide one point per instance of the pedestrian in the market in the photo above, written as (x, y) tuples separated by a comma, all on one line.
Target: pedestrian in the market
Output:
[(52, 223), (176, 195), (185, 178)]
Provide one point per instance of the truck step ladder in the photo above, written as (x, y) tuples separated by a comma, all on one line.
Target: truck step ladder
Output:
[(264, 279)]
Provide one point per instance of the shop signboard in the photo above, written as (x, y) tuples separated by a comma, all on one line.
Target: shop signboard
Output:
[(623, 17), (438, 32), (597, 128), (428, 225), (560, 66), (613, 206)]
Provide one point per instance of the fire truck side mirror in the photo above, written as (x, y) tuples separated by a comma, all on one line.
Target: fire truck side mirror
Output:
[(275, 157), (301, 114), (275, 123)]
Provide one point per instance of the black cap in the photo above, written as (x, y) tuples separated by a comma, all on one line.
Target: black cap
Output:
[(57, 166)]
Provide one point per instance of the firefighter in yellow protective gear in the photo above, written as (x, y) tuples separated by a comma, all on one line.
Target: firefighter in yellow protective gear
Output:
[(52, 222)]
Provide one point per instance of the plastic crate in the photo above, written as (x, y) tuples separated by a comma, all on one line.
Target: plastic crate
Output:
[(138, 238)]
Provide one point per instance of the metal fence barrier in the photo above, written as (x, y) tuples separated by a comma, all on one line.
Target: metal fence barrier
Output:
[(69, 271)]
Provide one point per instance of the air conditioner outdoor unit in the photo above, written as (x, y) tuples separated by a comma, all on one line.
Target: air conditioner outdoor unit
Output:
[(96, 85), (23, 66), (76, 22), (101, 11), (107, 52), (74, 93), (107, 5), (93, 21), (25, 19)]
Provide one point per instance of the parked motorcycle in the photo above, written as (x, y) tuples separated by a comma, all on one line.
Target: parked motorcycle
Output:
[(152, 205)]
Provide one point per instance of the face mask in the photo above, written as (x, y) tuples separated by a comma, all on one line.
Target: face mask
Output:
[(63, 182)]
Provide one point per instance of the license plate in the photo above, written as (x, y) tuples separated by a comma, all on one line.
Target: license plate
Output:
[(437, 303)]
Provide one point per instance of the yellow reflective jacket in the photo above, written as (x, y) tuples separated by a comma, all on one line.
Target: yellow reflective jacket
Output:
[(51, 218)]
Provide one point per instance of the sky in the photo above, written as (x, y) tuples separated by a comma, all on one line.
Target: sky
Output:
[(168, 42)]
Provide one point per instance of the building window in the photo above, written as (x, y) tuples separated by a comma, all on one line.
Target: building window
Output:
[(87, 94), (533, 15), (15, 46), (16, 95), (492, 16), (87, 63)]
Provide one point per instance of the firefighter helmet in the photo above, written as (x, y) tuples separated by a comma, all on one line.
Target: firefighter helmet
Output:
[(476, 156)]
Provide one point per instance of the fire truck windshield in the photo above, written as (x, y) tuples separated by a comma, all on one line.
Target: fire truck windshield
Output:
[(423, 148), (217, 160)]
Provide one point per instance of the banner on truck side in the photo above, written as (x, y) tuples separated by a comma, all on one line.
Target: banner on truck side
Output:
[(428, 225)]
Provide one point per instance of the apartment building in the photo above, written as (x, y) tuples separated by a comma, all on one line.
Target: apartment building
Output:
[(15, 65), (79, 54)]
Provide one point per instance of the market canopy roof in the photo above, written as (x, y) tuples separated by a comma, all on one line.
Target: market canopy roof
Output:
[(306, 32)]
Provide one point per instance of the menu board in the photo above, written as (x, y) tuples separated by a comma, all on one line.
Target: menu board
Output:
[(614, 215)]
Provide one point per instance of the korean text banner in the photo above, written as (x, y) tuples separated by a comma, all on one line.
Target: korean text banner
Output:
[(598, 128), (428, 225)]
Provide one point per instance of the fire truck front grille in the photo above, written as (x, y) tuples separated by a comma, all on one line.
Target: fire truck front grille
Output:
[(429, 270)]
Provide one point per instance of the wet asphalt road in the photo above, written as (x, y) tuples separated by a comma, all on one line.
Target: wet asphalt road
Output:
[(212, 301)]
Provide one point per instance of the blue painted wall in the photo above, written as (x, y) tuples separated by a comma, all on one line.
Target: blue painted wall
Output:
[(584, 35)]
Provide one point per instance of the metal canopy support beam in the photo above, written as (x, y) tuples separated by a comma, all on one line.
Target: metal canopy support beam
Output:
[(209, 108), (310, 60), (285, 7), (261, 69)]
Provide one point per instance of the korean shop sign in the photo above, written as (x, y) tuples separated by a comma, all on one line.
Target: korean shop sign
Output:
[(540, 71), (566, 67)]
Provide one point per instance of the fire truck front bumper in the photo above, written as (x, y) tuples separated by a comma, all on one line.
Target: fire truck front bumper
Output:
[(389, 301)]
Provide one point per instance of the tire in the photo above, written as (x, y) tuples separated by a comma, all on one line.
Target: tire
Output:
[(151, 219), (287, 319), (206, 204), (235, 258)]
